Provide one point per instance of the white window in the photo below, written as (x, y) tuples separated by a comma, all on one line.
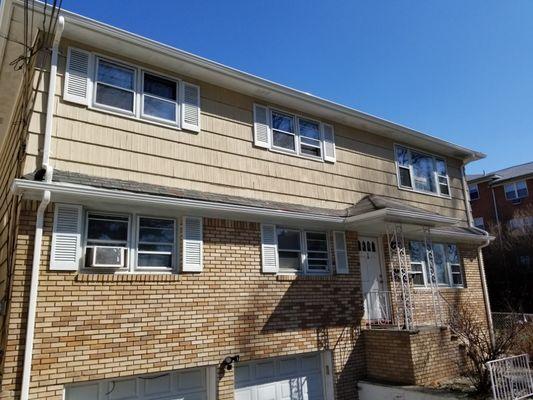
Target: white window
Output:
[(156, 243), (301, 251), (473, 191), (448, 271), (115, 86), (520, 223), (516, 190), (160, 98), (421, 172), (107, 240), (297, 135), (479, 223)]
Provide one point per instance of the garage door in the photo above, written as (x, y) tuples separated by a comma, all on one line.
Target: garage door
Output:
[(288, 378), (187, 384)]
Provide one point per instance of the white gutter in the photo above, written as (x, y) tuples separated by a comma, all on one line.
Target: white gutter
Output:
[(94, 193), (39, 219), (391, 215)]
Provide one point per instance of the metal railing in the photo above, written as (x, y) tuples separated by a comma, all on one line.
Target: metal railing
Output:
[(378, 309), (511, 378)]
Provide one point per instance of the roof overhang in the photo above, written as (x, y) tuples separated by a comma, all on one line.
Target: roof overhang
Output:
[(127, 44)]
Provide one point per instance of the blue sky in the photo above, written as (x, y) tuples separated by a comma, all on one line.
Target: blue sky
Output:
[(460, 70)]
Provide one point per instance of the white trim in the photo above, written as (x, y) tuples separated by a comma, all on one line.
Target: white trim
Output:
[(22, 185), (513, 184), (477, 191)]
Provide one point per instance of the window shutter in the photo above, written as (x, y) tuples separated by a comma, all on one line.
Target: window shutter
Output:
[(329, 142), (66, 238), (77, 76), (269, 248), (261, 126), (341, 255), (190, 107), (192, 244)]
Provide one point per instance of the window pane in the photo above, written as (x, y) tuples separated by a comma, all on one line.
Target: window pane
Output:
[(160, 87), (107, 229), (159, 108), (149, 232), (284, 140), (309, 129), (453, 254), (114, 97), (510, 191), (282, 122), (405, 177), (441, 166), (156, 223), (108, 256), (418, 252), (288, 239), (474, 193), (289, 260), (440, 264), (521, 188), (443, 185), (156, 247), (423, 171), (316, 241), (402, 156), (115, 75), (311, 151), (154, 260), (317, 264)]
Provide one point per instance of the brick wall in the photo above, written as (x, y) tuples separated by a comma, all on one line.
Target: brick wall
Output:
[(102, 326), (421, 357)]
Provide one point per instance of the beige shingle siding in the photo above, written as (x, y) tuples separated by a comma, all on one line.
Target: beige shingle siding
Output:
[(222, 158)]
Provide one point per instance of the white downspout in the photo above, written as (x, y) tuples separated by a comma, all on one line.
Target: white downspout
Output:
[(39, 220), (479, 256)]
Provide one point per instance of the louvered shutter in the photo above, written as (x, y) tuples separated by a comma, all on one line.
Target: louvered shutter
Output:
[(66, 238), (192, 244), (261, 126), (190, 107), (329, 142), (77, 76), (341, 255), (269, 248)]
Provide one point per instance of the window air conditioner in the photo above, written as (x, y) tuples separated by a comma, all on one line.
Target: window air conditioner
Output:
[(105, 257)]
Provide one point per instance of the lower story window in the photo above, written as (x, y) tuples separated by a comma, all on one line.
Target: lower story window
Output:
[(300, 251), (447, 264), (156, 243), (107, 240)]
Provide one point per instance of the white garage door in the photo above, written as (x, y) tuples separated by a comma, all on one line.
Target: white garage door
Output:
[(186, 384), (289, 378)]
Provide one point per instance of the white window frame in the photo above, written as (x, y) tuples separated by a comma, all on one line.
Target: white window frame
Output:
[(448, 271), (477, 223), (515, 189), (138, 103), (304, 268), (86, 239), (297, 143), (473, 185), (96, 81), (436, 175), (177, 103), (173, 266), (132, 244)]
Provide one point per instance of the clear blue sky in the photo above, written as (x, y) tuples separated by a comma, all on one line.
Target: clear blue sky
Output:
[(460, 70)]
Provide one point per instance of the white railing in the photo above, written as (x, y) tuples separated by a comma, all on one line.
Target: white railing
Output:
[(511, 378), (378, 309)]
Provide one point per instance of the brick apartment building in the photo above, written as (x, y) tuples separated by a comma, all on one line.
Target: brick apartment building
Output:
[(503, 197), (162, 214)]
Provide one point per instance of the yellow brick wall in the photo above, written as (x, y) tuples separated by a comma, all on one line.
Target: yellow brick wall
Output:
[(93, 327)]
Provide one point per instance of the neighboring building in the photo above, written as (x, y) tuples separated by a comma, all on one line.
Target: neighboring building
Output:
[(162, 213), (503, 197)]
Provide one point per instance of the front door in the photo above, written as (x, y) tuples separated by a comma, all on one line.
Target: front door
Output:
[(375, 299)]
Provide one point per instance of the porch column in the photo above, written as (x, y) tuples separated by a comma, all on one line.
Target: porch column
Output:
[(435, 295)]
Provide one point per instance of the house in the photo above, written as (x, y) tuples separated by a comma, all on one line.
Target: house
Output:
[(503, 197), (175, 228)]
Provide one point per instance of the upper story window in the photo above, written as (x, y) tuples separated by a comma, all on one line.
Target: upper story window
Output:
[(302, 251), (293, 134), (115, 86), (422, 172), (448, 271), (473, 191), (120, 88), (516, 190)]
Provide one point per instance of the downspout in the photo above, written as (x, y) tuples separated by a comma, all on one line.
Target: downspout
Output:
[(39, 220), (479, 256)]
